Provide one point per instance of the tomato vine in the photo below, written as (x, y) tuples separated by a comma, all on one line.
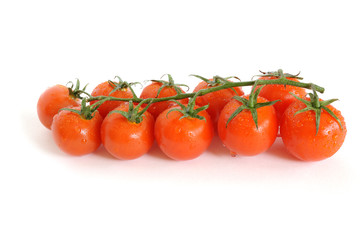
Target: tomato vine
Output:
[(246, 124), (221, 84)]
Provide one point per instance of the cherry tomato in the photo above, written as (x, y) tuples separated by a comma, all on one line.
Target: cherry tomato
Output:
[(125, 139), (298, 132), (183, 138), (274, 92), (216, 100), (241, 135), (151, 91), (104, 89), (52, 100), (74, 134)]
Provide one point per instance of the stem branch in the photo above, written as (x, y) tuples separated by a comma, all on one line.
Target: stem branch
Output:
[(202, 92)]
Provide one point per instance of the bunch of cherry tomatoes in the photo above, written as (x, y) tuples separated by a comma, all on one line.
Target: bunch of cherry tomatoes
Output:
[(183, 124)]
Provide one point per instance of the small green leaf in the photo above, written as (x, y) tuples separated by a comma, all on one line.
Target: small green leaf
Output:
[(83, 90), (318, 118), (304, 110), (255, 116), (71, 85), (244, 101), (174, 109), (200, 117), (83, 104), (202, 78), (177, 86), (123, 113), (227, 78), (300, 99), (234, 90), (160, 89), (235, 113), (254, 94), (70, 110), (96, 105), (265, 104), (333, 115), (144, 109), (257, 92), (131, 106), (77, 86), (328, 102), (184, 108), (200, 109), (112, 84), (119, 79)]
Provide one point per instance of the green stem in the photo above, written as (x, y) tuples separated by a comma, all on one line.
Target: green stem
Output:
[(281, 81)]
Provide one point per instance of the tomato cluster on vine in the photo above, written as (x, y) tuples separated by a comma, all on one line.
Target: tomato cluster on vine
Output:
[(184, 123)]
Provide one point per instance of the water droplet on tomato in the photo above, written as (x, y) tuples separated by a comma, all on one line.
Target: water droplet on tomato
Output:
[(78, 129), (233, 154)]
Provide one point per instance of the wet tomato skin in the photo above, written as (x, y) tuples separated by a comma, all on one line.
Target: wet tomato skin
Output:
[(104, 89), (126, 140), (298, 133), (76, 135), (51, 101), (157, 108), (241, 135), (216, 100), (183, 139), (274, 92)]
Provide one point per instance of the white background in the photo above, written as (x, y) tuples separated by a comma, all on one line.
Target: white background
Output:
[(46, 194)]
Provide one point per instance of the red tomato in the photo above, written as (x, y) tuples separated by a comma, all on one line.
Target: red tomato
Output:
[(125, 139), (104, 89), (151, 91), (52, 100), (299, 133), (216, 100), (76, 135), (183, 138), (274, 92), (241, 136)]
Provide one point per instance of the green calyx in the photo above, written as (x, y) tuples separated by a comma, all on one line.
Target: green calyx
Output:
[(86, 111), (189, 110), (250, 104), (316, 105), (279, 74), (217, 81), (121, 85), (75, 91), (134, 114), (170, 83)]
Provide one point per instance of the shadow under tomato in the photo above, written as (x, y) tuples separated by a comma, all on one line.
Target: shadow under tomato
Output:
[(217, 148), (279, 150), (157, 153), (104, 154)]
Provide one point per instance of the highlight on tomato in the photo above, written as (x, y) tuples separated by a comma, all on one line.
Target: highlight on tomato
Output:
[(312, 129), (218, 99), (127, 132), (281, 92), (76, 130), (184, 132), (248, 125), (55, 98), (120, 89), (161, 89)]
